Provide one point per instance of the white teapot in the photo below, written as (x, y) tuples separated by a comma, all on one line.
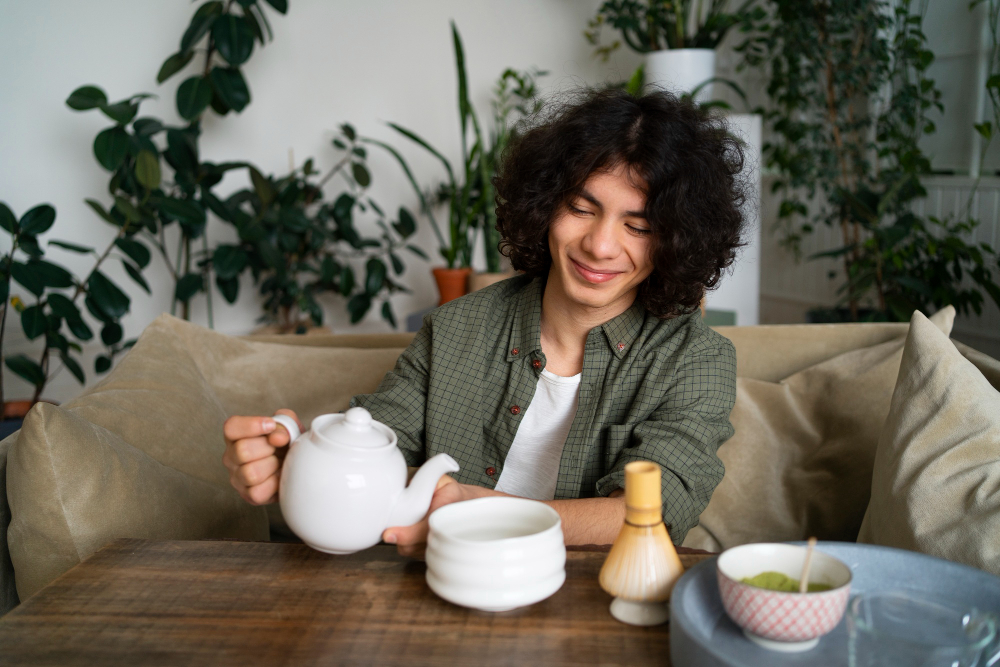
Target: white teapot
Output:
[(343, 482)]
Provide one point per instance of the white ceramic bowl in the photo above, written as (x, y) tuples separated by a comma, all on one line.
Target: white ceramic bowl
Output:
[(776, 620), (495, 554)]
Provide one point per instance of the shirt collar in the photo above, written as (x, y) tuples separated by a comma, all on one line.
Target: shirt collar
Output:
[(526, 329)]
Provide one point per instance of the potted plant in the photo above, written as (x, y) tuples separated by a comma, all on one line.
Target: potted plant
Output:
[(47, 298), (515, 96), (850, 96), (298, 244), (677, 37), (469, 194)]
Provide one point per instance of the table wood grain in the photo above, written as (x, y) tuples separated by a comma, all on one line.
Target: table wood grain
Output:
[(138, 602)]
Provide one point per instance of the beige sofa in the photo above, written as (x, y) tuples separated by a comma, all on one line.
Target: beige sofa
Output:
[(139, 454)]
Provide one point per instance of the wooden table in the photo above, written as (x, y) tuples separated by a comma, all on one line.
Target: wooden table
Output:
[(137, 602)]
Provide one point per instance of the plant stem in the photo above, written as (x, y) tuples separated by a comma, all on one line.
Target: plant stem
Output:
[(3, 316), (208, 282)]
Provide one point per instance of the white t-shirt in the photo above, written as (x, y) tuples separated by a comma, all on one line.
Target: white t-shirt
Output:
[(532, 464)]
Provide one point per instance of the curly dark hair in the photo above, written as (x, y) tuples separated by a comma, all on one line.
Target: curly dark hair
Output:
[(681, 157)]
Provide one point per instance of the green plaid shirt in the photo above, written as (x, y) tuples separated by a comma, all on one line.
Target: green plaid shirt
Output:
[(652, 389)]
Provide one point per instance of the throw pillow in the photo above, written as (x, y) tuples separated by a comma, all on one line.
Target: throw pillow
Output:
[(800, 461), (140, 453), (936, 481)]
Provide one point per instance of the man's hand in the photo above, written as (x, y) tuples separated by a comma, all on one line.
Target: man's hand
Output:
[(412, 540), (255, 449)]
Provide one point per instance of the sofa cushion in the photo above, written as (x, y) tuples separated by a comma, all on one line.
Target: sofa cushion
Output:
[(936, 481), (8, 591), (800, 461), (140, 453)]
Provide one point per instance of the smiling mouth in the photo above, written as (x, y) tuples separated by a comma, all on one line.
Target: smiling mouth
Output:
[(594, 275)]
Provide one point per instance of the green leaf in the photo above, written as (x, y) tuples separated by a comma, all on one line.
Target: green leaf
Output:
[(73, 367), (230, 288), (63, 307), (374, 275), (418, 252), (38, 220), (357, 306), (72, 247), (193, 96), (263, 187), (348, 131), (271, 256), (985, 129), (86, 97), (188, 286), (26, 368), (111, 333), (147, 170), (252, 21), (186, 211), (33, 321), (107, 296), (124, 208), (7, 219), (29, 245), (99, 210), (121, 112), (102, 364), (388, 315), (406, 225), (234, 38), (51, 275), (346, 280), (182, 151), (228, 261), (80, 329), (361, 174), (230, 87), (28, 277), (135, 275), (111, 147), (173, 65), (397, 264), (993, 81), (200, 24), (281, 6), (135, 250), (147, 127)]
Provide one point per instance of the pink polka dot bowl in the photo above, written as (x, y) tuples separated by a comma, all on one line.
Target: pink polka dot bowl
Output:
[(776, 620)]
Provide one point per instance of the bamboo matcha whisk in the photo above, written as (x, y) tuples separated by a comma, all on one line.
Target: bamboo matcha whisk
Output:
[(643, 566)]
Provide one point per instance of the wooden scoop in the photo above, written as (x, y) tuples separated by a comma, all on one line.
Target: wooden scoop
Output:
[(804, 579)]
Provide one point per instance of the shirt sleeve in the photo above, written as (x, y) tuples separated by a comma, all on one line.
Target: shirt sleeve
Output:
[(683, 435), (401, 398)]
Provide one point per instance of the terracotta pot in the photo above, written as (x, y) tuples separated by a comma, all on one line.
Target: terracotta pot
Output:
[(452, 283), (16, 409), (481, 280)]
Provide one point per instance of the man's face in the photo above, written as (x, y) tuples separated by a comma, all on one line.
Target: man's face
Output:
[(600, 245)]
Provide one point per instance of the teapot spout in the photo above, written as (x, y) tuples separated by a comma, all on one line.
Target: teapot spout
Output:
[(413, 502)]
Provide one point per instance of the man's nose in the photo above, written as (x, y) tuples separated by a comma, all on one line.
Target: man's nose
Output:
[(601, 239)]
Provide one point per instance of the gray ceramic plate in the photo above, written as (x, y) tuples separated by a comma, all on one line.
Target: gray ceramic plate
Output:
[(701, 635)]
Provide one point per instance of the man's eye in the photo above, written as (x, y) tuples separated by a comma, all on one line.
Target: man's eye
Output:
[(641, 231), (578, 211)]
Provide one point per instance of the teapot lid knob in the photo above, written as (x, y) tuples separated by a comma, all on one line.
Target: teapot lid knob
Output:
[(358, 418)]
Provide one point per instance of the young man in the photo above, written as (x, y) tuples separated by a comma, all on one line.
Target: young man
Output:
[(621, 212)]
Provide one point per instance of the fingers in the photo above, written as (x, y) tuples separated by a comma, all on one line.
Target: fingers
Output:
[(257, 472), (409, 540), (280, 436), (239, 428), (262, 494), (246, 451)]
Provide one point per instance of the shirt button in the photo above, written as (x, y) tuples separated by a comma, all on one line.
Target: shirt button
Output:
[(536, 364), (515, 351), (491, 471), (515, 409)]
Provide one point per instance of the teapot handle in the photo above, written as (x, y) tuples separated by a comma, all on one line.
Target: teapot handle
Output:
[(290, 426)]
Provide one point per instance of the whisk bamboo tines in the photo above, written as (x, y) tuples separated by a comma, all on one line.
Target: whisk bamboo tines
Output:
[(642, 566)]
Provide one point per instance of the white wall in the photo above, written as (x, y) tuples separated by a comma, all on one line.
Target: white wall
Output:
[(330, 61)]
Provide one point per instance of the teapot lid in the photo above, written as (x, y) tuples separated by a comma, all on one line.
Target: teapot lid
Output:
[(356, 428)]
